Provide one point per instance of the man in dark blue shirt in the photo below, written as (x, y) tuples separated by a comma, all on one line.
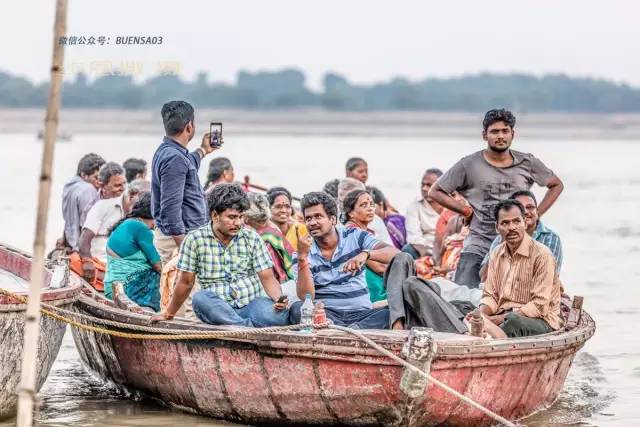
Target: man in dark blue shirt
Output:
[(178, 202)]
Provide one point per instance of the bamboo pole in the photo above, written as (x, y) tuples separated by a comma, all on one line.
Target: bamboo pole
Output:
[(27, 390)]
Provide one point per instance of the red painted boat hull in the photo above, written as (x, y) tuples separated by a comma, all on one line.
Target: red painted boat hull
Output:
[(329, 378)]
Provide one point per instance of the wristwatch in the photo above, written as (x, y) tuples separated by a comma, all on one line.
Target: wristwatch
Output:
[(368, 252)]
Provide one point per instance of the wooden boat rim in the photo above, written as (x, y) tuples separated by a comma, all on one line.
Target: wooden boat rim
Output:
[(447, 344)]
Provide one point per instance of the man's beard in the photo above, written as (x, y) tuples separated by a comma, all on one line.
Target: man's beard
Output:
[(498, 149)]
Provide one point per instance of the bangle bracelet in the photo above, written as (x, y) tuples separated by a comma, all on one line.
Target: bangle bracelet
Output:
[(467, 211)]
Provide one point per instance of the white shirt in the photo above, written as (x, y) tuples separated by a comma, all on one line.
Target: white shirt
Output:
[(380, 231), (101, 217), (421, 223)]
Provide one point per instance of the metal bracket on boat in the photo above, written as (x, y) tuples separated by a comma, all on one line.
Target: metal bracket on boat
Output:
[(419, 350)]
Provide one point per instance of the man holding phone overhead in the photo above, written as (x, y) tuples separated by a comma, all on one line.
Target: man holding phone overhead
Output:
[(178, 201)]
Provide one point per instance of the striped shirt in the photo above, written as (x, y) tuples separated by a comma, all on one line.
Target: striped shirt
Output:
[(525, 280), (337, 289), (541, 234), (230, 272)]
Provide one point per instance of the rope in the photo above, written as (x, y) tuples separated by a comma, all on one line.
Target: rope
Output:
[(407, 365), (177, 334)]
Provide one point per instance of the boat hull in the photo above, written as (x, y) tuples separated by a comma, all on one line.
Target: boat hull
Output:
[(286, 380), (12, 317)]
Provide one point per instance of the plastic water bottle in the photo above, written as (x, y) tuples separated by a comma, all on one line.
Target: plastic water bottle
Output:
[(306, 314)]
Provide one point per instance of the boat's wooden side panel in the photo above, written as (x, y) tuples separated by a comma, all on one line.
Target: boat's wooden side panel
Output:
[(242, 384), (11, 339)]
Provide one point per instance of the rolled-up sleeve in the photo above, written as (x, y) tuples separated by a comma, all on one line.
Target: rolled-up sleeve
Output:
[(172, 182)]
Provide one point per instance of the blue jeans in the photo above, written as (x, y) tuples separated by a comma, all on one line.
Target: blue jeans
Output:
[(376, 318), (259, 313)]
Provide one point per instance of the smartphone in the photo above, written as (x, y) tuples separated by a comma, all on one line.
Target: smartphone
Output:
[(282, 299), (215, 129)]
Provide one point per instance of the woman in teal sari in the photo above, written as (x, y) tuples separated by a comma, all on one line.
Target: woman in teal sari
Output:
[(132, 259)]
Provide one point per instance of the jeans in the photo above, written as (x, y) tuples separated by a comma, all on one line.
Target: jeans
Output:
[(468, 271), (515, 325), (259, 313), (376, 318)]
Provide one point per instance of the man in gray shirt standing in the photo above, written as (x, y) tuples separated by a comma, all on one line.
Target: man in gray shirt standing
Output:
[(485, 178)]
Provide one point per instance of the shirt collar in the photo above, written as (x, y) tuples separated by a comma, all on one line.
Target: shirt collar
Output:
[(175, 143), (540, 229), (524, 249), (315, 249)]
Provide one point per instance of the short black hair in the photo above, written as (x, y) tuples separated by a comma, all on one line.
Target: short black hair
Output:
[(526, 193), (498, 115), (506, 205), (227, 196), (433, 171), (331, 188), (217, 167), (89, 164), (349, 204), (133, 167), (108, 170), (319, 198), (175, 116), (274, 192), (353, 163)]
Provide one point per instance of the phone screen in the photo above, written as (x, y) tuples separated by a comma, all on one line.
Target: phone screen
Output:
[(215, 129)]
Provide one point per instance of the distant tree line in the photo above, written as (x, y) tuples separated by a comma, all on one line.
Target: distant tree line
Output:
[(286, 89)]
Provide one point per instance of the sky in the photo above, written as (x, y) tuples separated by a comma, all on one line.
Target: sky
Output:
[(366, 41)]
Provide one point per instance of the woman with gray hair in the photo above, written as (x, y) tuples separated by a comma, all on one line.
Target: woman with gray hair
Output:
[(281, 251)]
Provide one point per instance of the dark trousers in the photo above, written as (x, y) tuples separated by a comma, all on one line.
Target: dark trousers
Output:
[(515, 325), (468, 271), (409, 249), (377, 318), (425, 307), (400, 268)]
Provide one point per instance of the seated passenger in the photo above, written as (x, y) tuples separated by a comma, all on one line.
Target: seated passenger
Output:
[(135, 169), (358, 211), (233, 267), (346, 186), (394, 222), (280, 202), (535, 228), (329, 265), (280, 250), (220, 171), (131, 257), (522, 290), (100, 218), (331, 188), (422, 218)]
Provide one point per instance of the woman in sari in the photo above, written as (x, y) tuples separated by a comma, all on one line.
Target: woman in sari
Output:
[(131, 257), (358, 211), (282, 215), (281, 251), (394, 222)]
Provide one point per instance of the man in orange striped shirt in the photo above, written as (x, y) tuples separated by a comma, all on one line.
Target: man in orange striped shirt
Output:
[(522, 290)]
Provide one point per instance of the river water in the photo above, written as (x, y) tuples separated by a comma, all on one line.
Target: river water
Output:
[(597, 217)]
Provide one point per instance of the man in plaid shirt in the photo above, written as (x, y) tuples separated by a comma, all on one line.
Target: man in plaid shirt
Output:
[(233, 268)]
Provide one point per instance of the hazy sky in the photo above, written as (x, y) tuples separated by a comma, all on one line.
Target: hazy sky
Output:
[(366, 41)]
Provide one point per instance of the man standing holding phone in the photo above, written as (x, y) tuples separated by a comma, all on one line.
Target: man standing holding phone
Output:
[(178, 201)]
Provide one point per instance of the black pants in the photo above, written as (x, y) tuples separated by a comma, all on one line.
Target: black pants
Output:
[(425, 307), (468, 271), (515, 325)]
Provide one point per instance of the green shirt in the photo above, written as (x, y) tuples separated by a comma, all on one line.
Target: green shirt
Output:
[(230, 272)]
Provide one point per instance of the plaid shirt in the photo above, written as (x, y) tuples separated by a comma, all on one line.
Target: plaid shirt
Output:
[(229, 272)]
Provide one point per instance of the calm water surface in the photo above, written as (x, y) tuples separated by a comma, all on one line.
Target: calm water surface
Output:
[(597, 217)]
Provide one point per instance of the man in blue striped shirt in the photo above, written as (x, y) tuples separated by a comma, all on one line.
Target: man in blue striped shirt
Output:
[(535, 228), (330, 264)]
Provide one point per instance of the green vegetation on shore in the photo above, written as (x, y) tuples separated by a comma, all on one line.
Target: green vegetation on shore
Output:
[(286, 89)]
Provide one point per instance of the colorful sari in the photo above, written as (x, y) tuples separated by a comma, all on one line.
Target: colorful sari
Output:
[(281, 253), (397, 230), (141, 283)]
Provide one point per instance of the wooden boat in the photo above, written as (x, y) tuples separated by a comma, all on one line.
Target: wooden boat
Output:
[(14, 275), (328, 377)]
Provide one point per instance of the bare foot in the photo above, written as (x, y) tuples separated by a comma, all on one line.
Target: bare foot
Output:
[(398, 325)]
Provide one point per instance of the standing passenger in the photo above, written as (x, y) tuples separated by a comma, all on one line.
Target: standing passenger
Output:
[(485, 178)]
